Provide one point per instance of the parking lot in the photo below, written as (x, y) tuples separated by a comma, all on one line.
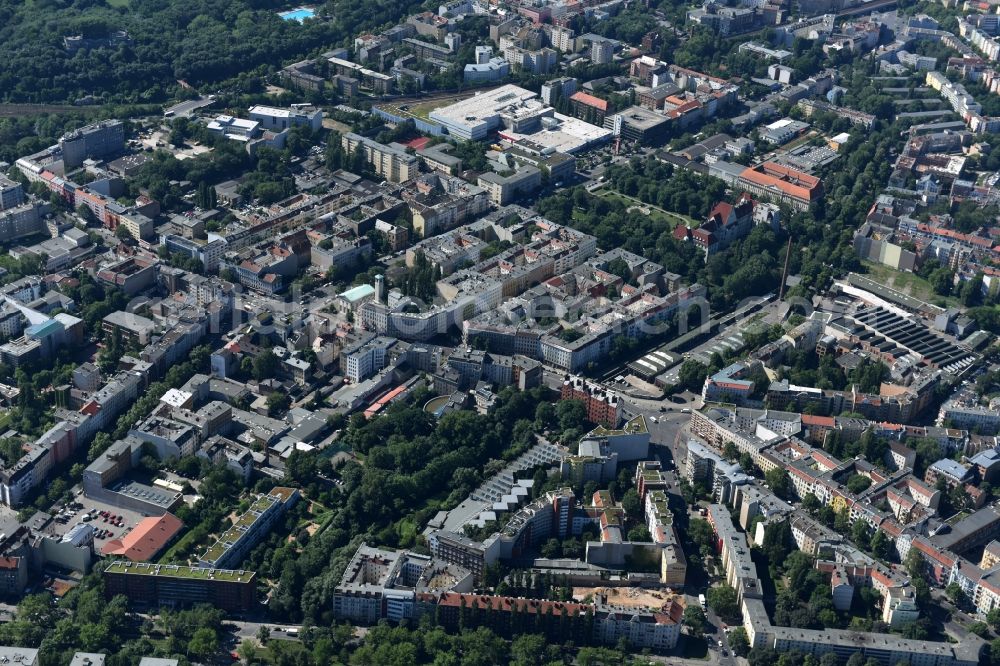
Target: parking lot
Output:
[(111, 524)]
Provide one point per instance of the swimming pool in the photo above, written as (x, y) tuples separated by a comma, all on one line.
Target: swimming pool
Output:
[(300, 14)]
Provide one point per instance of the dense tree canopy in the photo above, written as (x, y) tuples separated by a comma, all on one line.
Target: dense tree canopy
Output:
[(414, 465), (749, 267), (197, 41)]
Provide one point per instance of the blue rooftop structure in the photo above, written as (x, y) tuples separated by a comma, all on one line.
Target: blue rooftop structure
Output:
[(44, 330), (726, 375), (951, 468), (358, 293)]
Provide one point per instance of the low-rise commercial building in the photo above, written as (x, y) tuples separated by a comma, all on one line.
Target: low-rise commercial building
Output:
[(146, 540), (278, 120)]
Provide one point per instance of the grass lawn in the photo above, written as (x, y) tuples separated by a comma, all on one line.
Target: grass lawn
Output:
[(664, 216), (261, 654), (331, 123), (183, 545), (958, 517), (407, 530), (423, 110), (908, 283)]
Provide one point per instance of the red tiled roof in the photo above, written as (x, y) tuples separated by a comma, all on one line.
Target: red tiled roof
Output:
[(828, 461), (891, 528), (800, 473), (695, 73), (418, 143), (146, 539), (703, 236), (932, 552), (383, 401), (918, 486), (899, 498), (731, 385), (790, 182), (489, 602), (722, 210), (883, 578), (972, 239), (589, 100), (684, 108)]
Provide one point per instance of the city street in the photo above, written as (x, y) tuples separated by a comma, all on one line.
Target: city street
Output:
[(724, 653), (664, 429), (954, 623), (248, 629)]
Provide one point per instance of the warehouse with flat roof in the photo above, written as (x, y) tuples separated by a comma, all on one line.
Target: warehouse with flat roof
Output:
[(474, 118)]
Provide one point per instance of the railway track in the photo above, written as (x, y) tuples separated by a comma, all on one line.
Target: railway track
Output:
[(15, 110)]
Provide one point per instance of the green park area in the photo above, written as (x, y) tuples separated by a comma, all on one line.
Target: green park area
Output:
[(654, 212), (908, 283)]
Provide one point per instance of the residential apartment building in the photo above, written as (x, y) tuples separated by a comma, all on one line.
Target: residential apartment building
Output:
[(660, 523), (442, 202), (969, 417), (602, 51), (381, 584), (705, 467), (559, 621), (603, 406), (467, 553), (375, 81), (131, 274), (541, 61), (303, 75), (728, 385), (503, 189), (133, 329), (555, 89), (99, 140), (11, 193), (365, 358), (562, 39), (393, 164), (727, 21), (177, 586), (208, 253), (22, 220), (249, 529), (741, 572)]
